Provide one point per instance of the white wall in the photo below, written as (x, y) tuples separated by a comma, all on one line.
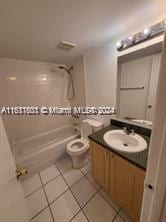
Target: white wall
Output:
[(100, 71), (22, 84), (101, 67), (78, 74)]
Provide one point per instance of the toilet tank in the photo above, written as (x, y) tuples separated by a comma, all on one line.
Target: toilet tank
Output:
[(89, 126), (95, 125), (86, 130)]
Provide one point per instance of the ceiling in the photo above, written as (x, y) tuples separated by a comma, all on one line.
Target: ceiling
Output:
[(31, 29)]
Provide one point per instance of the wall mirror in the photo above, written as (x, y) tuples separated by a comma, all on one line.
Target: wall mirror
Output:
[(137, 82)]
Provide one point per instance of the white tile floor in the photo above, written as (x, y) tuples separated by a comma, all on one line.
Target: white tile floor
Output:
[(63, 194)]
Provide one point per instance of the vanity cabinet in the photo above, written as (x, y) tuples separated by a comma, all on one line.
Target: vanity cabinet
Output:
[(126, 185), (100, 164), (121, 179)]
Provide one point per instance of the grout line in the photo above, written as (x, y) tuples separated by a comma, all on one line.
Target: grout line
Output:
[(117, 215), (89, 199), (75, 197), (42, 185), (48, 204), (64, 170), (108, 201), (84, 167), (46, 198), (81, 208), (49, 180), (45, 183), (92, 183), (58, 196), (65, 190), (75, 215), (74, 182), (69, 188), (124, 220), (54, 179), (85, 173), (87, 204), (33, 192), (38, 213), (102, 194)]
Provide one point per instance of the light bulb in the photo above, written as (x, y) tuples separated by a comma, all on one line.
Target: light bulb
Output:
[(119, 44), (44, 78), (12, 78), (147, 31), (130, 38)]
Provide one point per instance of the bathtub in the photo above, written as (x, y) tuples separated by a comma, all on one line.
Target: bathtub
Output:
[(42, 150)]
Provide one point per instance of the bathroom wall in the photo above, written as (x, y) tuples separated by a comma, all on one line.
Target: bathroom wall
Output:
[(26, 83), (78, 74), (101, 67), (100, 71)]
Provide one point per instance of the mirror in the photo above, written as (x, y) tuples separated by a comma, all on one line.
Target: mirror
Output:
[(137, 82)]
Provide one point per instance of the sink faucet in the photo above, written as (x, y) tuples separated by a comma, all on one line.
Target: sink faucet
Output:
[(128, 131)]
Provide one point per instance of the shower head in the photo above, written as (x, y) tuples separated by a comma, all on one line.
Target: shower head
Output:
[(67, 70), (61, 67)]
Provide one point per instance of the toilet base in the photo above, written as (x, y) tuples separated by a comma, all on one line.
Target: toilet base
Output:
[(79, 161)]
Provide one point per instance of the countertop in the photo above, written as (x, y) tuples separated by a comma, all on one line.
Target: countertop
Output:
[(138, 159)]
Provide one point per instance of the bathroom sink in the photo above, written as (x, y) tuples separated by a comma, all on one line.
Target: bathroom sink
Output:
[(120, 141)]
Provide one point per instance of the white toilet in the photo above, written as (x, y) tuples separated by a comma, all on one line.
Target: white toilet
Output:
[(78, 149)]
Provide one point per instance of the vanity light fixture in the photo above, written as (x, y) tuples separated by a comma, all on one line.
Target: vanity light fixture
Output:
[(146, 34)]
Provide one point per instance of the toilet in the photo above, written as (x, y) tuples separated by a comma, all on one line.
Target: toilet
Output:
[(77, 149)]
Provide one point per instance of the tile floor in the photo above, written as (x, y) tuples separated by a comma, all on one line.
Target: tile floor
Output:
[(63, 194)]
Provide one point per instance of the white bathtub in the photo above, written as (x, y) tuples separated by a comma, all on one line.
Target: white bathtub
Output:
[(40, 151)]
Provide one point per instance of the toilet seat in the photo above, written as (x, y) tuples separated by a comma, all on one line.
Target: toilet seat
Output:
[(77, 146), (78, 149)]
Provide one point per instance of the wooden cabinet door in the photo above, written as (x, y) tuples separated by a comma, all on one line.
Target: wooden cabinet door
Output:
[(126, 185), (123, 182), (100, 164), (138, 194)]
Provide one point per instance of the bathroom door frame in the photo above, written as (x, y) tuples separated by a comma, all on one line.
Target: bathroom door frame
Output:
[(154, 200)]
